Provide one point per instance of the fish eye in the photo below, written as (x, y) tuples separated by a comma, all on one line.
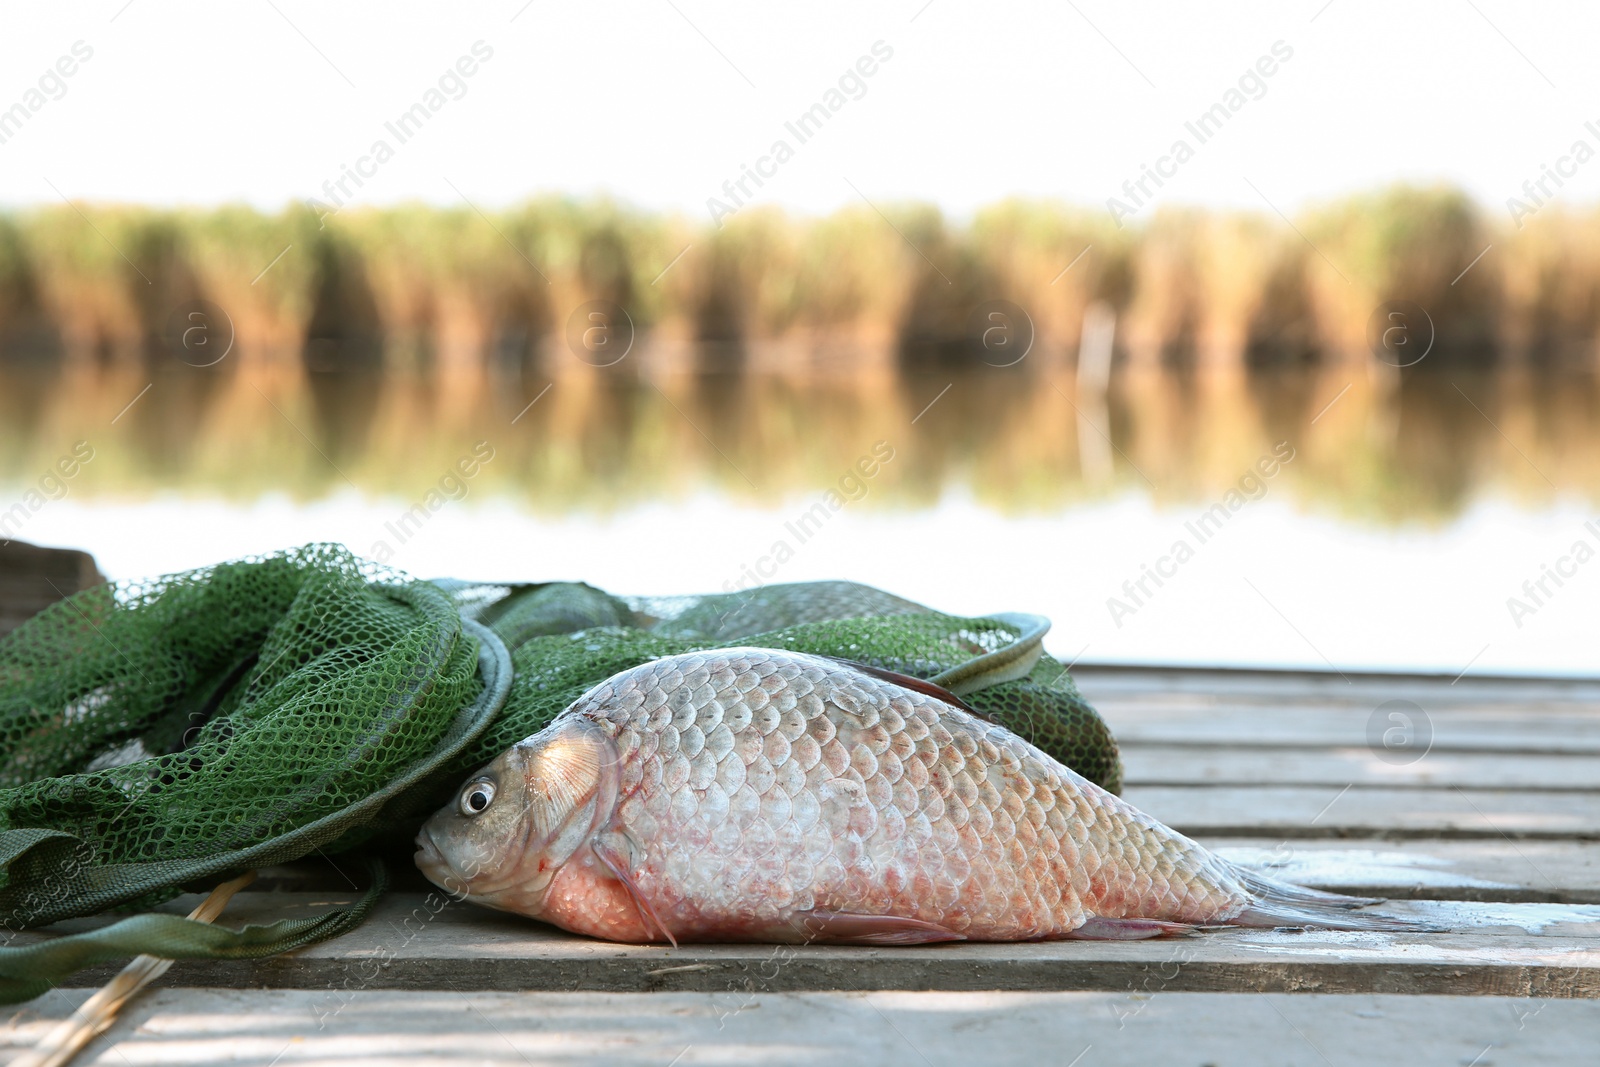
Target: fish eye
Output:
[(476, 797)]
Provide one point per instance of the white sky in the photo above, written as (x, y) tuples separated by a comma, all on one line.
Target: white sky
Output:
[(204, 103)]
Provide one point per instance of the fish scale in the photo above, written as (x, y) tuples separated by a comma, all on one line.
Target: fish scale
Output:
[(761, 794), (758, 786)]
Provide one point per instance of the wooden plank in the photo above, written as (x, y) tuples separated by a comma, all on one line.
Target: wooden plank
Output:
[(416, 942), (1502, 731), (1201, 684), (1293, 812), (1143, 1025), (1486, 870), (1160, 764)]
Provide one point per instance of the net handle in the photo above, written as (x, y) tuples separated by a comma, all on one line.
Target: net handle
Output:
[(1003, 664)]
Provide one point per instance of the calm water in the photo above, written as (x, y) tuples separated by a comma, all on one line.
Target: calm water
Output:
[(1339, 519)]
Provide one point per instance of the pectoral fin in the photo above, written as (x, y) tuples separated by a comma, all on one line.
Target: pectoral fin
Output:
[(848, 928), (616, 851)]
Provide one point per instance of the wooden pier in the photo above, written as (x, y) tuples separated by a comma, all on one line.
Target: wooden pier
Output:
[(1478, 808)]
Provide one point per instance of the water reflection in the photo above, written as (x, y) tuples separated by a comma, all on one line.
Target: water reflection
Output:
[(1373, 442)]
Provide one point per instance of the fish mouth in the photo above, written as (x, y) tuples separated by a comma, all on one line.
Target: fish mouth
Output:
[(431, 862)]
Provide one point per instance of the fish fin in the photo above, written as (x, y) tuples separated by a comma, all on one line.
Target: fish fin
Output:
[(1264, 888), (612, 849), (850, 928), (1282, 904), (916, 685), (1100, 928)]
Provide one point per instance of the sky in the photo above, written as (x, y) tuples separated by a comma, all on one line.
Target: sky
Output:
[(660, 102)]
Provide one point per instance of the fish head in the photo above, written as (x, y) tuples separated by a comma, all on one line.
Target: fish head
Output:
[(515, 822)]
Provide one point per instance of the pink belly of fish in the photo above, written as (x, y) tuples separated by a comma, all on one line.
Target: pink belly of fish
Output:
[(761, 790)]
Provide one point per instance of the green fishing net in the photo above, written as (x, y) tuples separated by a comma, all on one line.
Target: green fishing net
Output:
[(163, 735)]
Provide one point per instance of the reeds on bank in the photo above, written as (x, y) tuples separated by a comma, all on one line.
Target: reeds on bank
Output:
[(857, 292)]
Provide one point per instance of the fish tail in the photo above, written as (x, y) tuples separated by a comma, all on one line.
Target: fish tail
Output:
[(1273, 903)]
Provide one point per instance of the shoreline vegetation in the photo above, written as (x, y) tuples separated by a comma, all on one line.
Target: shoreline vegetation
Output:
[(418, 288), (365, 351)]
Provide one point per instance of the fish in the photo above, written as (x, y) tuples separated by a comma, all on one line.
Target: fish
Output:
[(755, 794)]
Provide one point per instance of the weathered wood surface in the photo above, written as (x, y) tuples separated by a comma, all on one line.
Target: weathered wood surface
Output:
[(1155, 764), (1138, 1028), (1493, 870), (1171, 686), (414, 941), (1497, 730), (1328, 811), (1298, 757), (1491, 829)]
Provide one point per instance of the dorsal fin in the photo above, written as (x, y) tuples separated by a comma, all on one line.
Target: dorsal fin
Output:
[(918, 685)]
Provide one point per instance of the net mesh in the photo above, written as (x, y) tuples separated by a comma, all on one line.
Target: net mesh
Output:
[(167, 724), (159, 733)]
